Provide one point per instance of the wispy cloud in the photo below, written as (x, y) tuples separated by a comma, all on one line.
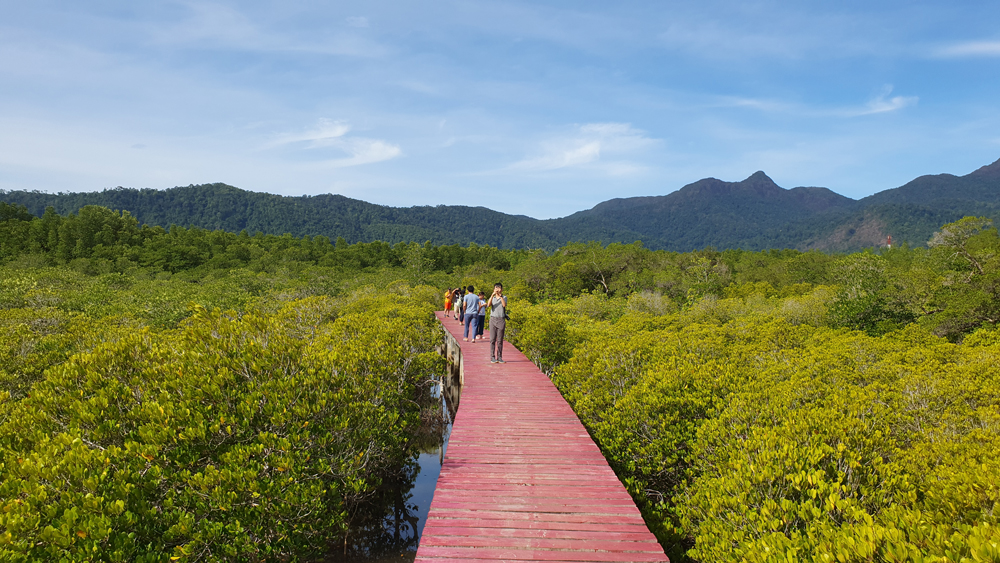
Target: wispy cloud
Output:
[(712, 40), (586, 147), (364, 151), (561, 157), (357, 21), (332, 135), (970, 49), (882, 103), (214, 24), (218, 26), (764, 105), (325, 133)]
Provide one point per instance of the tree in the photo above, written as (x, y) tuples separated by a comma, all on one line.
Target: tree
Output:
[(866, 298), (955, 237), (967, 253)]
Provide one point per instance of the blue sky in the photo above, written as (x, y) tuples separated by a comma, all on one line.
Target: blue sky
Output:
[(534, 108)]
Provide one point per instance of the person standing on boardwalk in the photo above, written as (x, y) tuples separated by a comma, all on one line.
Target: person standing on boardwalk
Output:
[(447, 303), (456, 299), (498, 323), (481, 321), (471, 302)]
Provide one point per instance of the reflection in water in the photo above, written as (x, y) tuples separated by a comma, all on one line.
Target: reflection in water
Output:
[(390, 529)]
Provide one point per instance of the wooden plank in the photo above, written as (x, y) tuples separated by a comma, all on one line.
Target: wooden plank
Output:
[(472, 531), (568, 527), (591, 544), (522, 480), (529, 516), (485, 491), (531, 554)]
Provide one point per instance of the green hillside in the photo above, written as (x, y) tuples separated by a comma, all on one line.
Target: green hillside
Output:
[(709, 212), (220, 206), (753, 214)]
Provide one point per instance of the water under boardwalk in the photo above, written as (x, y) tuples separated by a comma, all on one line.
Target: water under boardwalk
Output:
[(387, 528), (522, 480)]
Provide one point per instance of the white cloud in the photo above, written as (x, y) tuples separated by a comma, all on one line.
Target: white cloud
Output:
[(364, 151), (586, 146), (971, 49), (324, 134), (882, 103), (618, 137), (331, 134), (561, 158), (761, 105)]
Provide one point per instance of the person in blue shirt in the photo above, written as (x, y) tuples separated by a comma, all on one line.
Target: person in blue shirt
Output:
[(471, 302)]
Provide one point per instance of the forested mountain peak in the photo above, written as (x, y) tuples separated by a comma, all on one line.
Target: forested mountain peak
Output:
[(757, 184), (988, 171), (758, 188), (761, 183), (981, 186)]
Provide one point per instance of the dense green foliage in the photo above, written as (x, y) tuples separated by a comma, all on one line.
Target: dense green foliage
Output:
[(751, 423), (754, 214), (228, 437), (759, 439), (206, 395), (139, 421)]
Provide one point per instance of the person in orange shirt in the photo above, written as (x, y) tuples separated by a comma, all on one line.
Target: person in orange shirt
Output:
[(447, 303)]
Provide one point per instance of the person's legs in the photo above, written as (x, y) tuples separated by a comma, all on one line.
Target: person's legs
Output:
[(474, 319), (501, 328), (468, 322), (493, 341), (481, 324)]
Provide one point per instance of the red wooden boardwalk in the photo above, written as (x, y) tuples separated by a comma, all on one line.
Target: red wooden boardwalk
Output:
[(522, 480)]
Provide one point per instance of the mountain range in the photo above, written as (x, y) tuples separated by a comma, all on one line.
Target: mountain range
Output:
[(753, 214)]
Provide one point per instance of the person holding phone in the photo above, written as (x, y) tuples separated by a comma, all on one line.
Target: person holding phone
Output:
[(498, 323)]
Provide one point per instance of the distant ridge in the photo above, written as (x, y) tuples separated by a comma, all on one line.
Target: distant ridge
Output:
[(753, 214), (709, 212), (220, 206)]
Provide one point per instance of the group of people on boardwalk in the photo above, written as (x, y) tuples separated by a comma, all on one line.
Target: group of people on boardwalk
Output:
[(470, 309)]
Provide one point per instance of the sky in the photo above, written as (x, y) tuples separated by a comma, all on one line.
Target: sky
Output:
[(533, 108)]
